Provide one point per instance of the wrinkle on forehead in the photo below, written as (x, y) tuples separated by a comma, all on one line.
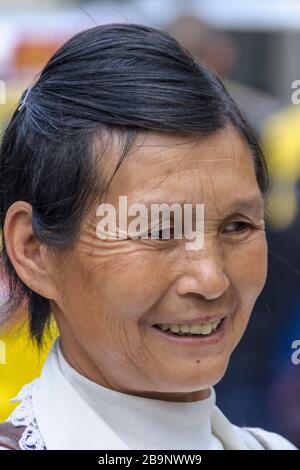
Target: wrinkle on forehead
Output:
[(167, 154), (174, 160)]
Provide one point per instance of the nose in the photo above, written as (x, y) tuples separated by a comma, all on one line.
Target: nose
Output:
[(204, 276)]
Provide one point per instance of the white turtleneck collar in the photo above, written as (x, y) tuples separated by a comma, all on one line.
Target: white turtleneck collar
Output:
[(144, 423)]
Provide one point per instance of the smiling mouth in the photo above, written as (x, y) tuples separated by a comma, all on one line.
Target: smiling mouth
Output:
[(194, 329)]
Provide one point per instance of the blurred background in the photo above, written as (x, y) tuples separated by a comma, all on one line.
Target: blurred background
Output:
[(254, 45)]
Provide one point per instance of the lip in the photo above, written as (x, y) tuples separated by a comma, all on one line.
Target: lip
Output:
[(212, 339)]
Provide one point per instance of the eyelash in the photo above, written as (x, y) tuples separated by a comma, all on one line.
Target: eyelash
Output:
[(245, 226)]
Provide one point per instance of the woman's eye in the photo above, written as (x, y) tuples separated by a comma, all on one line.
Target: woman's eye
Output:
[(238, 226)]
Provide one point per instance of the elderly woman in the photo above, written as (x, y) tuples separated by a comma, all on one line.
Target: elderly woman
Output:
[(147, 321)]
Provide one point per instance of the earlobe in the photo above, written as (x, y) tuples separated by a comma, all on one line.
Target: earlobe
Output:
[(26, 252)]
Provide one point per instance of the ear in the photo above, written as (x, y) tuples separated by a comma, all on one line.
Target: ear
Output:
[(29, 256)]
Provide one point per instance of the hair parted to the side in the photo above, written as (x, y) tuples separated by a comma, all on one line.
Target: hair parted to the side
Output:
[(111, 80)]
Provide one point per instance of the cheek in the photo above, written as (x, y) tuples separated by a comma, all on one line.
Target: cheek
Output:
[(122, 285), (139, 285), (248, 269)]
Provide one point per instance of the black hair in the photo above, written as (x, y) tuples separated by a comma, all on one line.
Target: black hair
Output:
[(113, 79)]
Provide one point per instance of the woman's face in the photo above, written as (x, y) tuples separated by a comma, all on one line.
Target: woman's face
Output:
[(113, 292)]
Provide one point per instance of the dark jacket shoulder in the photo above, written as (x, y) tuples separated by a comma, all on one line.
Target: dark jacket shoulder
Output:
[(10, 435)]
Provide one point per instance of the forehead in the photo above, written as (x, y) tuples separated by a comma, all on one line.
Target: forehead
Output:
[(186, 168)]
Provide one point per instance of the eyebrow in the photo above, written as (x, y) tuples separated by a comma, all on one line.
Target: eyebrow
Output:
[(251, 204)]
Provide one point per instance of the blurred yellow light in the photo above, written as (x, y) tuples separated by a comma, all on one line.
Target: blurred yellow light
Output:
[(22, 363)]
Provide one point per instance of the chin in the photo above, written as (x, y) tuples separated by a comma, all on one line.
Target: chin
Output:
[(199, 376)]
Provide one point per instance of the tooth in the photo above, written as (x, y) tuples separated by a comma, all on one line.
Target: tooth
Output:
[(185, 328), (206, 329), (174, 328), (200, 328), (196, 329), (164, 327)]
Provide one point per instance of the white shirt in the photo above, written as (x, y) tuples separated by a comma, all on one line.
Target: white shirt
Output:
[(61, 415), (144, 423)]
